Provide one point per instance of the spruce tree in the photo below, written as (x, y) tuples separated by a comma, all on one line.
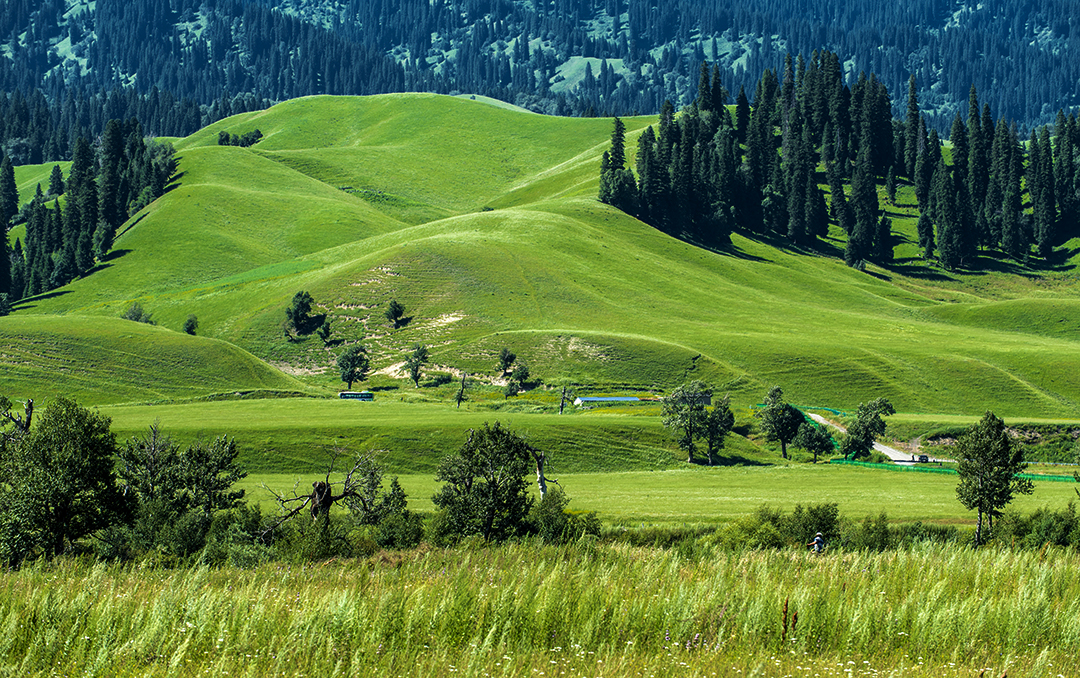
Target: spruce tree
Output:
[(911, 129), (925, 229), (958, 135), (943, 213), (9, 193), (978, 168), (1064, 177), (719, 97), (883, 241), (56, 181), (1014, 237), (890, 186), (742, 115)]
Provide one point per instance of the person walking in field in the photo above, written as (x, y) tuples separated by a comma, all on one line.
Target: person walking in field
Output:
[(818, 543)]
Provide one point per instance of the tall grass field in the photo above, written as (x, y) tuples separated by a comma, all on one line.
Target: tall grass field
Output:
[(528, 610)]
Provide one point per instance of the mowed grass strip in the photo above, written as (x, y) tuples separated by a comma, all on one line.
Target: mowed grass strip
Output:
[(703, 495)]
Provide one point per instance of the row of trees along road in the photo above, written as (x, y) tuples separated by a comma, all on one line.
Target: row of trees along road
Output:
[(703, 174)]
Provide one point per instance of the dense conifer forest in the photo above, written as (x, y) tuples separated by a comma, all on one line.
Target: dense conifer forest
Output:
[(569, 57), (701, 174)]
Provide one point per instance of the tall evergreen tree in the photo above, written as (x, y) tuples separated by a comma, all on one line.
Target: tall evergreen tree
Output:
[(1014, 236), (742, 114), (911, 129), (9, 193), (958, 135), (925, 230), (943, 213)]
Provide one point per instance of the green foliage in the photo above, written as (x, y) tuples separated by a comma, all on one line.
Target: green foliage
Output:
[(191, 324), (415, 363), (506, 359), (176, 491), (395, 311), (57, 483), (297, 314), (554, 524), (868, 426), (718, 423), (988, 462), (484, 492), (683, 413), (814, 439), (136, 313), (324, 332), (779, 420), (353, 364)]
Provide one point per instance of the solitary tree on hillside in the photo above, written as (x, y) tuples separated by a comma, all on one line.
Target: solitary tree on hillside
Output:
[(394, 313), (506, 359), (353, 364), (297, 312), (989, 463), (779, 420), (415, 363), (684, 414)]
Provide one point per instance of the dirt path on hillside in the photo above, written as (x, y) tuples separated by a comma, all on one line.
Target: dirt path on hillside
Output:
[(896, 455)]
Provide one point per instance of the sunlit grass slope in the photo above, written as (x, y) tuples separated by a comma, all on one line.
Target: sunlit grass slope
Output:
[(98, 360), (483, 222)]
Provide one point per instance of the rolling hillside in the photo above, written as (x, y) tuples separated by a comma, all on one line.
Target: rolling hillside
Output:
[(482, 221)]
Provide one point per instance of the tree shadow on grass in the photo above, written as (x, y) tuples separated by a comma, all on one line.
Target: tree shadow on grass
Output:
[(728, 460), (24, 304)]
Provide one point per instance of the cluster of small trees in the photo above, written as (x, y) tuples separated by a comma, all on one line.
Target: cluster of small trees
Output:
[(242, 140), (67, 478)]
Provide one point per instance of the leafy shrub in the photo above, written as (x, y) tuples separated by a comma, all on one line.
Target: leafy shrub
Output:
[(400, 530), (136, 313)]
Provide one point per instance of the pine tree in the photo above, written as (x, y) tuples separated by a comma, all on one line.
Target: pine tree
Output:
[(720, 97), (864, 200), (978, 168), (883, 241), (56, 181), (704, 99), (912, 129), (924, 170), (890, 186), (1064, 177), (925, 229), (958, 135), (1014, 236), (817, 215), (9, 193), (943, 213), (742, 115)]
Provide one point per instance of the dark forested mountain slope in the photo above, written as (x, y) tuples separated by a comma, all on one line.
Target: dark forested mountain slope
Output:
[(558, 56)]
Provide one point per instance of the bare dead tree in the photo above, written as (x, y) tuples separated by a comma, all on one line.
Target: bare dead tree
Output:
[(359, 486), (21, 421), (540, 457)]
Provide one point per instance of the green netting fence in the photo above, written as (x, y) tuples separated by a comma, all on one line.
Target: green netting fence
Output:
[(945, 471)]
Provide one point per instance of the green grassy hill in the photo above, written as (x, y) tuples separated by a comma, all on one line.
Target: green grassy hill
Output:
[(482, 221)]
